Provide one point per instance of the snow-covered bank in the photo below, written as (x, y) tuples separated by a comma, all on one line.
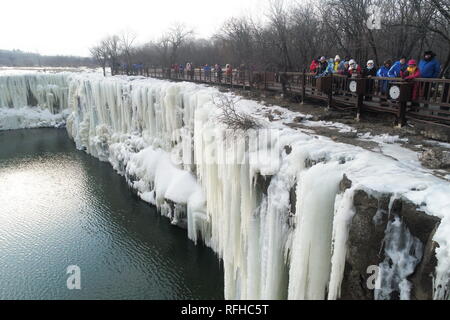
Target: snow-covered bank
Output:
[(33, 100), (269, 201)]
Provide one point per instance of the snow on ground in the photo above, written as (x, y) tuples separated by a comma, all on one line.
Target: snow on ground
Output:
[(389, 145)]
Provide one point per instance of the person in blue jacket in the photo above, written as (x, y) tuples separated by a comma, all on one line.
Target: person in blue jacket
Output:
[(429, 66), (207, 70), (398, 67), (383, 72), (327, 67)]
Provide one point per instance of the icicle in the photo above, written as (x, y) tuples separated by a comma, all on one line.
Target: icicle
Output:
[(343, 214), (311, 253), (403, 253), (441, 279), (47, 91)]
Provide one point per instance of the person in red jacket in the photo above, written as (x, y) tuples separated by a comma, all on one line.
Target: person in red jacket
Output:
[(314, 65), (354, 68), (229, 72), (412, 72)]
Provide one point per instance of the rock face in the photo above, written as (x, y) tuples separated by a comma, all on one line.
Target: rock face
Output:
[(433, 131), (436, 159), (366, 244)]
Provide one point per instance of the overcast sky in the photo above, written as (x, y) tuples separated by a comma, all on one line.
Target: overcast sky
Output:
[(72, 26)]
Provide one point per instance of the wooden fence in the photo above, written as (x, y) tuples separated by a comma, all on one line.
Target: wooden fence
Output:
[(430, 104)]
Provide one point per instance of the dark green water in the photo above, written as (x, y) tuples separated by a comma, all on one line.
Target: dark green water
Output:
[(61, 207)]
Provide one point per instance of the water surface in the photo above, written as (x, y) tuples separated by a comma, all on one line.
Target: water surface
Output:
[(61, 207)]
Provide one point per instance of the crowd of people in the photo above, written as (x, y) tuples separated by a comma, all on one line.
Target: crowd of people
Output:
[(428, 67), (208, 70)]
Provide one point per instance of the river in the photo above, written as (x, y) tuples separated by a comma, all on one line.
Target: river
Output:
[(60, 207)]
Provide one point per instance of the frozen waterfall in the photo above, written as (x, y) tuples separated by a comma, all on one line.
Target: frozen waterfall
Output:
[(268, 201), (33, 100)]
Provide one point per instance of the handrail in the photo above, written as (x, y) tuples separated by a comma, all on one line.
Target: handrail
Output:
[(420, 98)]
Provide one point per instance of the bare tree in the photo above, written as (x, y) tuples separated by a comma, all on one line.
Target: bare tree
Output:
[(297, 31), (176, 37), (434, 16), (237, 35), (309, 39), (127, 39), (231, 117), (278, 18), (100, 54), (163, 47)]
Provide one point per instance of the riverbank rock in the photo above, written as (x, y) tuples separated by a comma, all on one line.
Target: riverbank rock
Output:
[(366, 243), (435, 158)]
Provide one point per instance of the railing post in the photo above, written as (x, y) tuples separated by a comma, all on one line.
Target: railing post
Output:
[(248, 77), (304, 86), (360, 90), (330, 92), (402, 114), (359, 106), (265, 80), (405, 96)]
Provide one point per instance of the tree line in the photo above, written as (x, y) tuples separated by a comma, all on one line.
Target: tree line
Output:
[(18, 58), (294, 33)]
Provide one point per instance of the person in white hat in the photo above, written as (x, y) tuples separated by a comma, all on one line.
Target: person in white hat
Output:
[(354, 68), (369, 70), (323, 64)]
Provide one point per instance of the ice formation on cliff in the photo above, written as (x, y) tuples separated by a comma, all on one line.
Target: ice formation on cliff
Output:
[(233, 191), (33, 100)]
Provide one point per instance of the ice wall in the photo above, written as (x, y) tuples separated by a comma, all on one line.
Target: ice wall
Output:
[(33, 100), (267, 201)]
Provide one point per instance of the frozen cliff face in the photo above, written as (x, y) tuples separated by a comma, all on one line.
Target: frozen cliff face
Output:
[(33, 100), (270, 202), (167, 140)]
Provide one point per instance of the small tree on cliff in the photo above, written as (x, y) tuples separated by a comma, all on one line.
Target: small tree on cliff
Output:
[(235, 120)]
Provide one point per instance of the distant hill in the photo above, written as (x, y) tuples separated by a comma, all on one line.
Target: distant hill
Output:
[(18, 58)]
